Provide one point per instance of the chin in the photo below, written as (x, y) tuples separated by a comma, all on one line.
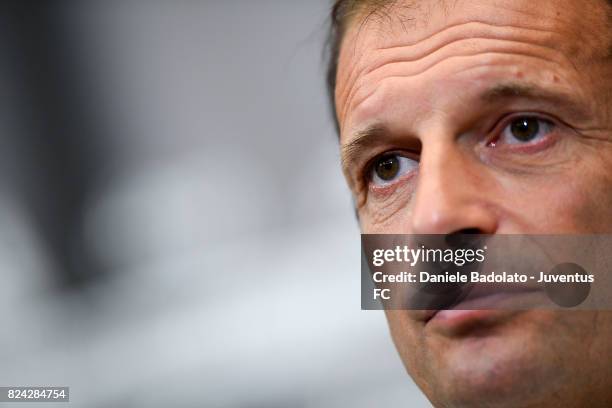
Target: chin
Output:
[(500, 370), (507, 366)]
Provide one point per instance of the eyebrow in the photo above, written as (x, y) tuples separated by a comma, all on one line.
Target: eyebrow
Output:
[(373, 135), (362, 140), (513, 90), (567, 104)]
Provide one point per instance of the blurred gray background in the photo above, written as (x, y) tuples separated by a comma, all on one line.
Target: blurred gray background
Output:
[(174, 226)]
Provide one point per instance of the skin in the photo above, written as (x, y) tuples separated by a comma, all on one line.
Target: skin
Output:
[(437, 82)]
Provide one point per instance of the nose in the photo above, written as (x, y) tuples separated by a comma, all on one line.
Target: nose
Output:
[(452, 194)]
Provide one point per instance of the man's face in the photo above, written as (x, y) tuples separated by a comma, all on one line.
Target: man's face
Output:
[(491, 116)]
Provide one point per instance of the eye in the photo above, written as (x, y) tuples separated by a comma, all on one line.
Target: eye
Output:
[(390, 167), (524, 130)]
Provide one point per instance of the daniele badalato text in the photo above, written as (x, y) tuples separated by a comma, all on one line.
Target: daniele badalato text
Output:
[(458, 257)]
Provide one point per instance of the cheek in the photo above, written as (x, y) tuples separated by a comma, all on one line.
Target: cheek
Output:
[(388, 220), (575, 202), (572, 196), (594, 205), (407, 337), (389, 215)]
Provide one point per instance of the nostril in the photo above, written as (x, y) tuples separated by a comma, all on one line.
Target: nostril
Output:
[(470, 231), (467, 237)]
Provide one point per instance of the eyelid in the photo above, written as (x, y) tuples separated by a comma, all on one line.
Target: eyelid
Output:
[(399, 152), (369, 169), (496, 130), (369, 166)]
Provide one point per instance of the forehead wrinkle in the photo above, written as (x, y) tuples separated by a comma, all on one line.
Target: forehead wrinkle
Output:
[(382, 9), (355, 101), (552, 20), (422, 64), (585, 21), (408, 53), (367, 23), (446, 35), (472, 24), (365, 20), (497, 46), (376, 14), (475, 29)]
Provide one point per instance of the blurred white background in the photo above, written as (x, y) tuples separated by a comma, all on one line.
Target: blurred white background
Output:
[(207, 255)]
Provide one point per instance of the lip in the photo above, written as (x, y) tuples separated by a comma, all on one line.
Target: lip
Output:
[(485, 306)]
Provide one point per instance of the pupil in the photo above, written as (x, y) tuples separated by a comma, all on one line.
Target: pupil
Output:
[(525, 129), (387, 168)]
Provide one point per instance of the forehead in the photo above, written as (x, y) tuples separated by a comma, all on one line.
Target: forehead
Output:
[(409, 37)]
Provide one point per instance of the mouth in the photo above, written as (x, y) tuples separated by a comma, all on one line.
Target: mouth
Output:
[(485, 305)]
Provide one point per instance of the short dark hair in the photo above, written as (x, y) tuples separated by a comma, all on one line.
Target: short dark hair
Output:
[(334, 39)]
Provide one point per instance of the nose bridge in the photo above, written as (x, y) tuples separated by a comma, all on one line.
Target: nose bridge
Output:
[(450, 196)]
